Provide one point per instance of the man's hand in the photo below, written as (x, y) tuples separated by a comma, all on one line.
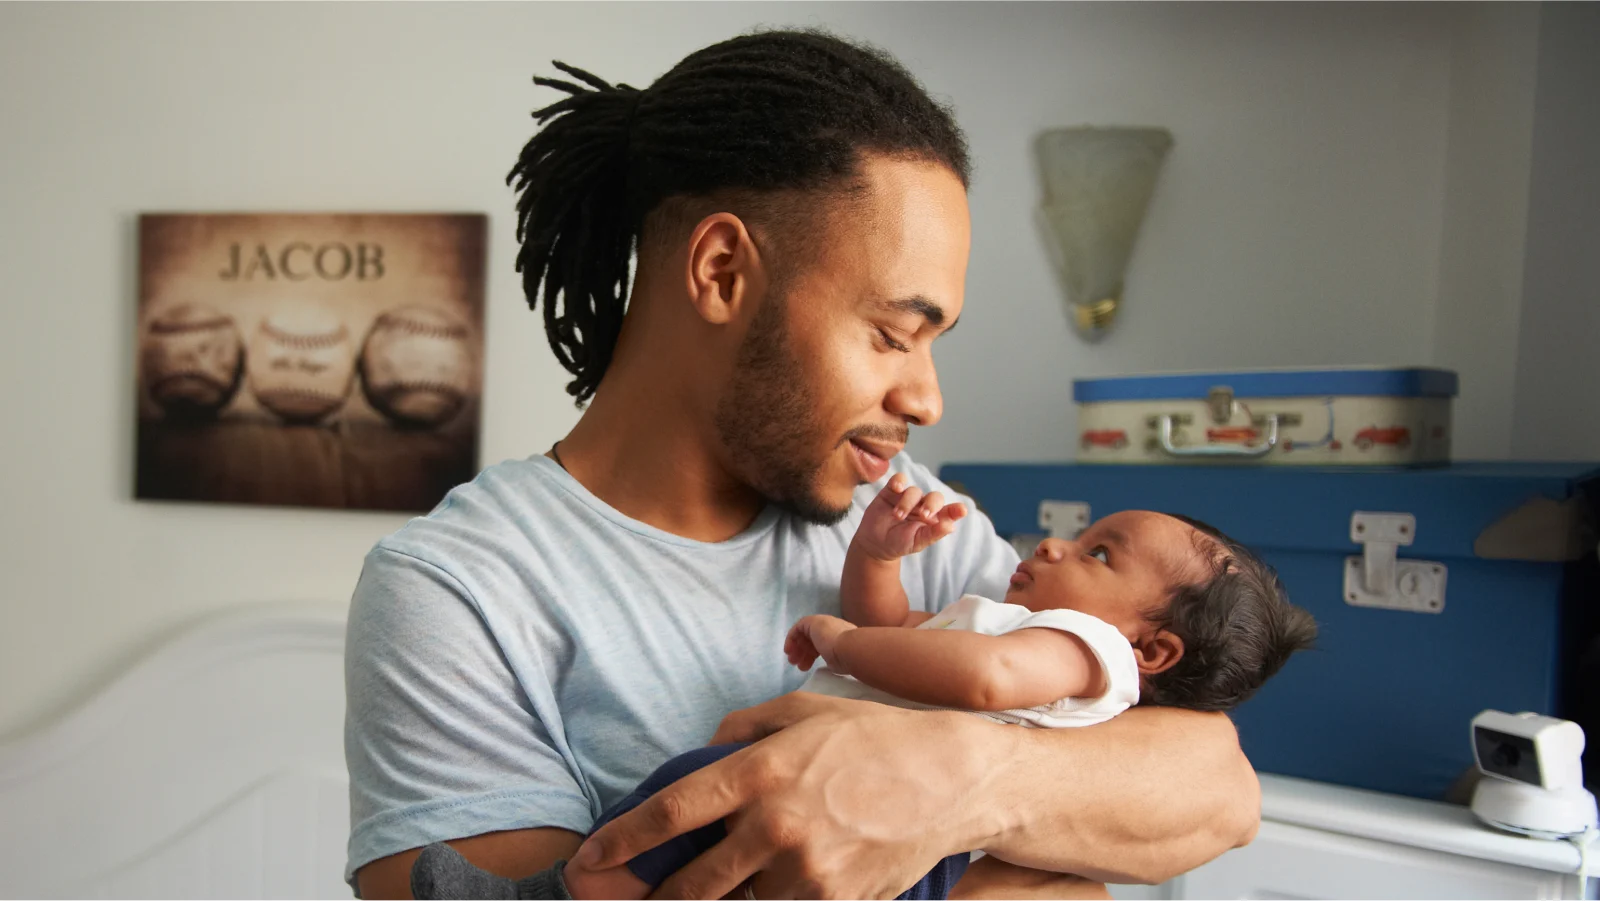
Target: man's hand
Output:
[(843, 798), (813, 637), (901, 520), (839, 799)]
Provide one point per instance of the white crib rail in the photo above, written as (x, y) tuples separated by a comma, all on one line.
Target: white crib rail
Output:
[(213, 768)]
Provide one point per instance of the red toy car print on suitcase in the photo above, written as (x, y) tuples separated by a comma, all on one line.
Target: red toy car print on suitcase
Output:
[(1115, 439), (1233, 435), (1394, 436)]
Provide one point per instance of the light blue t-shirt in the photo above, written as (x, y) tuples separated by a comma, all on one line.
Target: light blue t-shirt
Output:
[(525, 655)]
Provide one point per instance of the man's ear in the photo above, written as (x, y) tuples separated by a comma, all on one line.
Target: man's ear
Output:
[(1157, 653), (725, 271)]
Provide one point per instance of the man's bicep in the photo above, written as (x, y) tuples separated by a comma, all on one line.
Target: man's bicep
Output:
[(513, 854), (442, 738)]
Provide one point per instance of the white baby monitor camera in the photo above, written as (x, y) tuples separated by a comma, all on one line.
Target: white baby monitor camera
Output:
[(1534, 766)]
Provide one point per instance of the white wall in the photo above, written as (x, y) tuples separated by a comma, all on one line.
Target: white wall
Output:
[(1558, 358), (1478, 308), (1296, 222), (1300, 220)]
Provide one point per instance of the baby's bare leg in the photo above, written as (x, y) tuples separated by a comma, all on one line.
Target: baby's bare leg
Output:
[(617, 882), (989, 877)]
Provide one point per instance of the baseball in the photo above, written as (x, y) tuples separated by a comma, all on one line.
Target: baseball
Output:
[(416, 367), (301, 362), (191, 361)]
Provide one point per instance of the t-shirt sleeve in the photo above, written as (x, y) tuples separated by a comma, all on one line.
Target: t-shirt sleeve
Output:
[(1108, 646), (973, 560), (441, 740)]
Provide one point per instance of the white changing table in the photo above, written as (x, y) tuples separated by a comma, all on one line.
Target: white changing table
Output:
[(1327, 841)]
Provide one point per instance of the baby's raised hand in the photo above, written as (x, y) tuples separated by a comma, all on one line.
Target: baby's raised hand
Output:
[(902, 520), (813, 637)]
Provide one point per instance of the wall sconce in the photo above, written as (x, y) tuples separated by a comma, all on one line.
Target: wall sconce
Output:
[(1097, 184)]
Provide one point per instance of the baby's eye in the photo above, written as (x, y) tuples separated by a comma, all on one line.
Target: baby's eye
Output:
[(1100, 553)]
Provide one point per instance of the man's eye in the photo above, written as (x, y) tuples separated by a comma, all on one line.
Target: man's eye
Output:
[(891, 342), (1100, 553)]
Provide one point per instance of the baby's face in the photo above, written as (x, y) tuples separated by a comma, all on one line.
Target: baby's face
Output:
[(1121, 569)]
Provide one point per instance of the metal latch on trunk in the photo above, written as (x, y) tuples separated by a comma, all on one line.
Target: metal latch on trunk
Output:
[(1063, 519), (1378, 578), (1059, 519)]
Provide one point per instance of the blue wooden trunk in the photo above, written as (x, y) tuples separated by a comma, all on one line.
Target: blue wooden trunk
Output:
[(1384, 703)]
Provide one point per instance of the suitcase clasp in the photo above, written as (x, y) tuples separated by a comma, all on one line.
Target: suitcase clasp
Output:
[(1378, 578), (1220, 400)]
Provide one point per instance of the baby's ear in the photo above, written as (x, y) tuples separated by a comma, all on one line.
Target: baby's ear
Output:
[(1157, 652)]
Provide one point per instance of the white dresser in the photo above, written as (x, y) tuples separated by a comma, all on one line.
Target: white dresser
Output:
[(1326, 841)]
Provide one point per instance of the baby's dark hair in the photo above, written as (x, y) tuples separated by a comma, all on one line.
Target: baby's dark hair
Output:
[(1237, 625)]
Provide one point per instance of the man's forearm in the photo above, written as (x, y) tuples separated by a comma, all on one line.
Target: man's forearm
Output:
[(1147, 796)]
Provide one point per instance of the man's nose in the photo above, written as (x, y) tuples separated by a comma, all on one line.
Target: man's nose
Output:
[(916, 399)]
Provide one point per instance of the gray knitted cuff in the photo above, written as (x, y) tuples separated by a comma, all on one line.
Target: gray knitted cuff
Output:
[(545, 885), (440, 872)]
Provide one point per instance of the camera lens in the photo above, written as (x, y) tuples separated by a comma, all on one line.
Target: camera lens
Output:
[(1506, 755)]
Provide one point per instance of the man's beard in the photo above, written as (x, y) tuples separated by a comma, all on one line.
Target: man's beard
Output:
[(767, 420)]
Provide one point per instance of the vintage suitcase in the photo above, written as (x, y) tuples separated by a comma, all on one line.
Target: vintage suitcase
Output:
[(1440, 593), (1304, 417)]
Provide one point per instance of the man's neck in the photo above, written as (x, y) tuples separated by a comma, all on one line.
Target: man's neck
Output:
[(650, 457)]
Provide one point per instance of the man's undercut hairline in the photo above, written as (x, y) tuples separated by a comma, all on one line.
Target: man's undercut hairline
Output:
[(789, 219)]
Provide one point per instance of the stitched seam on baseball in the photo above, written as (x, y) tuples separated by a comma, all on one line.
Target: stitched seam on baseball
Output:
[(421, 329), (297, 392), (164, 327), (189, 374), (304, 342), (439, 387)]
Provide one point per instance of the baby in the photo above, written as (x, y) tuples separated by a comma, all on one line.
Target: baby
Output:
[(1141, 608)]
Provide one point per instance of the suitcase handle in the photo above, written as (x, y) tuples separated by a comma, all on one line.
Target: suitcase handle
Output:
[(1218, 450)]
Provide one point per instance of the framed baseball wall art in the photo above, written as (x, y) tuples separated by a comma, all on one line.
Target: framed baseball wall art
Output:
[(309, 360)]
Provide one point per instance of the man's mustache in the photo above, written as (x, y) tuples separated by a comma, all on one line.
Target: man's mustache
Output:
[(885, 433)]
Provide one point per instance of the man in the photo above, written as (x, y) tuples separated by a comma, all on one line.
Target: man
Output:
[(524, 655)]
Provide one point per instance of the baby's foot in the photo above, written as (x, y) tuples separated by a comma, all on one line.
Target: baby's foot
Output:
[(441, 872)]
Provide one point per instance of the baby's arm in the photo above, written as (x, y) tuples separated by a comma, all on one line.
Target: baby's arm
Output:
[(871, 594), (898, 522), (954, 668)]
